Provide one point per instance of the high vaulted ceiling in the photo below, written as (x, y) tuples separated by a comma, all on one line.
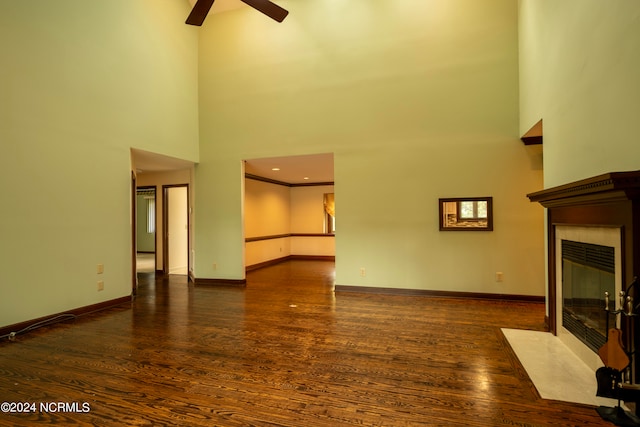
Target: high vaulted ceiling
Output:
[(304, 169)]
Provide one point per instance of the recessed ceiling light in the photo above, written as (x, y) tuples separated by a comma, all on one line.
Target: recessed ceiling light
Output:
[(275, 169), (306, 177)]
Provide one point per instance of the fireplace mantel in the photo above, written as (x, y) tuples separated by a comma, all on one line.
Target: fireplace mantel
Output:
[(607, 188)]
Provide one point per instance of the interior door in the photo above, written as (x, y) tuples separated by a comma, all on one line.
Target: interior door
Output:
[(176, 218)]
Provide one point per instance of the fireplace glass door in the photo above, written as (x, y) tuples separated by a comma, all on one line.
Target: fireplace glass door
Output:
[(588, 271)]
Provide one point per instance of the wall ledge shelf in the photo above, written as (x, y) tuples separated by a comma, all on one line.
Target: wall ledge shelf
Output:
[(534, 135)]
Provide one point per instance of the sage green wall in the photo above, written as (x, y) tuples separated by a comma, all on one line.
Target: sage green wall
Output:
[(580, 62), (81, 83), (417, 100)]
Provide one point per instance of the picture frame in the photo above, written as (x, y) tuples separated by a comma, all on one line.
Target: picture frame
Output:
[(466, 213)]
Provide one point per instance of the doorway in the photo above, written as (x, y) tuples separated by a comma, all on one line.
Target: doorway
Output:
[(176, 229), (288, 209), (146, 225)]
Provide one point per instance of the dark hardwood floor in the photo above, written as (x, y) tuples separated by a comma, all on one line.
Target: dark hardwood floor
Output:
[(285, 351)]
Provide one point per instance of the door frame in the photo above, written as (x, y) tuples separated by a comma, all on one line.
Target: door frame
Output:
[(134, 235)]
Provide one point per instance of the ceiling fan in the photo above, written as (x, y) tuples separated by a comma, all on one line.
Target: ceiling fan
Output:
[(202, 7)]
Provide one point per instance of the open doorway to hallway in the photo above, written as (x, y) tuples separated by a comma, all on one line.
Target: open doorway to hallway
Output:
[(158, 252)]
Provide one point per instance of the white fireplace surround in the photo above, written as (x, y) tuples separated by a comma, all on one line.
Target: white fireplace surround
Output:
[(604, 236)]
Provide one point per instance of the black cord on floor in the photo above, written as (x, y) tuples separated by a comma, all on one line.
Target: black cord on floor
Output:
[(59, 318)]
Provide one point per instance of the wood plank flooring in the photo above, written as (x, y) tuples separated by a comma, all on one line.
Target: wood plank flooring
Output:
[(285, 351)]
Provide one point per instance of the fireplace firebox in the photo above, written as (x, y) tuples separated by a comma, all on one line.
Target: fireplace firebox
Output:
[(588, 274)]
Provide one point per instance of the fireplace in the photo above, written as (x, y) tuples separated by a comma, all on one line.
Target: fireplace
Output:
[(593, 231)]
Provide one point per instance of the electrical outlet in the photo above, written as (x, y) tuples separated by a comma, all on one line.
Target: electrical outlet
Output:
[(215, 266), (499, 276), (100, 268), (363, 272), (100, 285)]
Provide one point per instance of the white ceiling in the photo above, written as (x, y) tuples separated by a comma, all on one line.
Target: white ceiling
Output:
[(146, 161), (293, 169)]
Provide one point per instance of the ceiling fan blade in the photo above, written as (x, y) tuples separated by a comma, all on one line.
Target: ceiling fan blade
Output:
[(270, 9), (199, 12)]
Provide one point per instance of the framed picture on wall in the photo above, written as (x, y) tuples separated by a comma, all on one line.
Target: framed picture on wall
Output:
[(466, 214)]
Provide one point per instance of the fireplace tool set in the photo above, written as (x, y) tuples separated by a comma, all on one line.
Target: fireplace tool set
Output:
[(615, 378)]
